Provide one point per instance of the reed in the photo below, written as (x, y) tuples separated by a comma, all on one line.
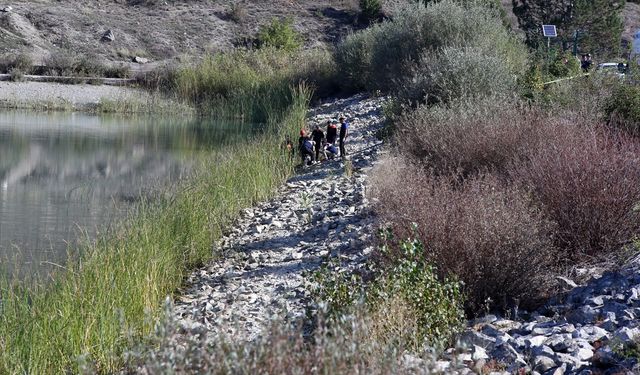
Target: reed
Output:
[(111, 296)]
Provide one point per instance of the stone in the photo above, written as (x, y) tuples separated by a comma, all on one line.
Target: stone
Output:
[(108, 36), (583, 354), (583, 314), (479, 353), (590, 333), (543, 363), (140, 60), (559, 343), (566, 283), (560, 370), (471, 337), (7, 9), (626, 334), (535, 341)]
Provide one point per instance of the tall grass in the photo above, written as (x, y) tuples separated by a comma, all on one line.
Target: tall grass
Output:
[(114, 293), (247, 84)]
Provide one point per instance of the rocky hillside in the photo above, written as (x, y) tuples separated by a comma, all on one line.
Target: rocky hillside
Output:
[(165, 29), (160, 29)]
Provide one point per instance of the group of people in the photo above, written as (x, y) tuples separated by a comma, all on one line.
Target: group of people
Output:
[(312, 146)]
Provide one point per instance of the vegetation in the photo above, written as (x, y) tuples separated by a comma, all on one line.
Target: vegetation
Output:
[(370, 10), (432, 306), (245, 84), (279, 34), (595, 25), (400, 50)]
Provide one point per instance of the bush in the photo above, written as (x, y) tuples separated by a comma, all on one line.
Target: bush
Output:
[(21, 62), (279, 34), (238, 12), (431, 306), (588, 182), (393, 49), (622, 108), (454, 73), (468, 137), (564, 65), (370, 10), (487, 234)]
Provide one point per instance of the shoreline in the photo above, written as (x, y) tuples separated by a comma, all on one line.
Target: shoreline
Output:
[(321, 214)]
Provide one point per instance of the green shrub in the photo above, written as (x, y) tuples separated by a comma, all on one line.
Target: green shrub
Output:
[(622, 108), (453, 73), (564, 65), (411, 281), (531, 83), (388, 52), (353, 57), (370, 10), (280, 34)]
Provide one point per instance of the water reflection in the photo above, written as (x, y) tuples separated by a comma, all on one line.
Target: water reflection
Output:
[(65, 175)]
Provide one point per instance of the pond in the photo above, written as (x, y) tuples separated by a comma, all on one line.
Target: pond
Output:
[(65, 177)]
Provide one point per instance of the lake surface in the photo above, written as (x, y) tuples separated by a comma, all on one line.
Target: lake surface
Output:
[(69, 176)]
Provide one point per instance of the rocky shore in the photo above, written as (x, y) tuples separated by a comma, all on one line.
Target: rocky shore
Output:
[(319, 214), (591, 329), (322, 213)]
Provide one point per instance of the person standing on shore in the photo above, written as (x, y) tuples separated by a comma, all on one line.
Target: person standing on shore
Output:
[(318, 137), (344, 132)]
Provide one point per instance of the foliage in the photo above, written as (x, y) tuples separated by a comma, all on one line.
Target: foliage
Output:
[(246, 84), (21, 62), (486, 233), (564, 65), (622, 108), (410, 281), (587, 181), (597, 22), (531, 83), (279, 34), (379, 57), (370, 10), (454, 73), (351, 344), (238, 12), (469, 136)]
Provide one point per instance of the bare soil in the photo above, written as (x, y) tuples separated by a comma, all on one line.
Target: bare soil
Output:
[(161, 29)]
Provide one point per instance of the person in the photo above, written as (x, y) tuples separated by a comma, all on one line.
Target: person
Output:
[(305, 145), (332, 132), (344, 132), (331, 149), (586, 63), (318, 137)]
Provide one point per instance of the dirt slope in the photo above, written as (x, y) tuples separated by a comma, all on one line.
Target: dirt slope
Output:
[(159, 29)]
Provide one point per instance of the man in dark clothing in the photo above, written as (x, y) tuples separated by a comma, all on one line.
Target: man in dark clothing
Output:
[(586, 62), (344, 132), (305, 145), (318, 137)]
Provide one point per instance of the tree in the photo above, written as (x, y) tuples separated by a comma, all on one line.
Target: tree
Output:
[(595, 24)]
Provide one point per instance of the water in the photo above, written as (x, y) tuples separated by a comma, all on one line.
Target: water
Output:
[(69, 176)]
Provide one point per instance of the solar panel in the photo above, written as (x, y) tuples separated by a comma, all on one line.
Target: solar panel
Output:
[(549, 31)]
